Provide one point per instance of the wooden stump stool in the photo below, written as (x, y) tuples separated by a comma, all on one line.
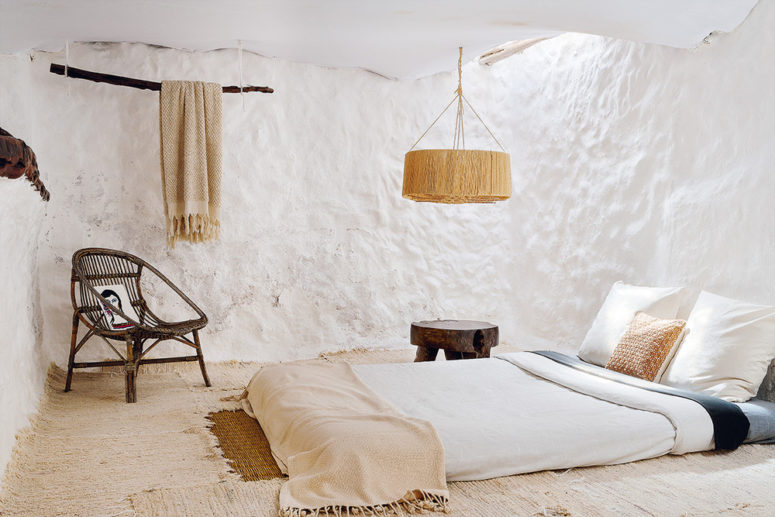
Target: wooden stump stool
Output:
[(459, 339)]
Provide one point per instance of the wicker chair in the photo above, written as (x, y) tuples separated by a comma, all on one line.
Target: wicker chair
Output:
[(96, 267)]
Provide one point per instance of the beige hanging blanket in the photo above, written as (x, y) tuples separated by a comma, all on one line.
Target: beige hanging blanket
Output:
[(346, 451), (190, 123)]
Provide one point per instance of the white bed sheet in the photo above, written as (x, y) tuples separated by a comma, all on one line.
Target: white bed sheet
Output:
[(496, 419)]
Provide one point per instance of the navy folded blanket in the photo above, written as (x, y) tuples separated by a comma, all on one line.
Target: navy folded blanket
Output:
[(730, 425)]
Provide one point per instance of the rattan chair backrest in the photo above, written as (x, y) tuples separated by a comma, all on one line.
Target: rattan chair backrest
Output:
[(95, 268)]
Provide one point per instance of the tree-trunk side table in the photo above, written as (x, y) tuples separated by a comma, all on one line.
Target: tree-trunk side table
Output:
[(459, 339)]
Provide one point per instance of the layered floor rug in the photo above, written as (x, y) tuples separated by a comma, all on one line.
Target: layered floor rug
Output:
[(186, 450)]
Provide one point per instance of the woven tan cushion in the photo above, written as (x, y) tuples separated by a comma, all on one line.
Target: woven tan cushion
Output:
[(646, 346)]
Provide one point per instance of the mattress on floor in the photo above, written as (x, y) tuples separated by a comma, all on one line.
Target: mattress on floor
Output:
[(528, 412), (496, 419)]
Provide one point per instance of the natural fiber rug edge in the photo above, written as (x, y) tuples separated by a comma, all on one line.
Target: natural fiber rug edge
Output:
[(50, 446), (253, 499)]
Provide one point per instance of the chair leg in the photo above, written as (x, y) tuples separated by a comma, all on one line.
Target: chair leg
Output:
[(71, 360), (131, 390), (201, 358)]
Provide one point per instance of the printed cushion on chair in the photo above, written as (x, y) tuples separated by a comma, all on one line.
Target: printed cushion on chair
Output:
[(117, 296)]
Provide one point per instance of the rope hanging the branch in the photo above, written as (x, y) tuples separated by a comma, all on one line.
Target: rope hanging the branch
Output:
[(241, 82), (67, 64)]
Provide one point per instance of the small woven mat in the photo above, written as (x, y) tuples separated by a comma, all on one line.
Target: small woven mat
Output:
[(244, 445)]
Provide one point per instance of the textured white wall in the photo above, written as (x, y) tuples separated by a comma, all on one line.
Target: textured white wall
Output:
[(22, 368), (633, 162), (318, 250), (646, 164)]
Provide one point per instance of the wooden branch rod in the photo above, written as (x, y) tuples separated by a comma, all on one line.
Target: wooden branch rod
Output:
[(141, 84)]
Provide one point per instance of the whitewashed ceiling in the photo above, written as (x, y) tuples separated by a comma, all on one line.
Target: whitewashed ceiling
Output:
[(396, 38)]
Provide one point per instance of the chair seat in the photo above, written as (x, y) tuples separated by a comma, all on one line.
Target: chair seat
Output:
[(172, 328)]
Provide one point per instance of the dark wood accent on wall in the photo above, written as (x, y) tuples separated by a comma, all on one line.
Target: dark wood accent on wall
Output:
[(141, 84)]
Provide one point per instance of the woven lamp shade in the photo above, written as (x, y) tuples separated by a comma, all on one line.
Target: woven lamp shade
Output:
[(457, 176)]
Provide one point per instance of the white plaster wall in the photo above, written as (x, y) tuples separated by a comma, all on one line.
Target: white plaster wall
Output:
[(633, 162), (646, 164), (23, 366), (318, 249)]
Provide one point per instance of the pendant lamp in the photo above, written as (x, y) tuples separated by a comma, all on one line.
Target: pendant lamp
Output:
[(457, 175)]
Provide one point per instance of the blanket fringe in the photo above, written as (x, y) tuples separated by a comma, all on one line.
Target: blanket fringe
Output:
[(415, 502), (192, 228)]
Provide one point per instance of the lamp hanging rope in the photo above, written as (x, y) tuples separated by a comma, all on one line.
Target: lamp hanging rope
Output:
[(457, 175)]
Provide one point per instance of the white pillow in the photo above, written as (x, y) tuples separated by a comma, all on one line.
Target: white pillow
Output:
[(619, 310), (671, 354), (727, 351)]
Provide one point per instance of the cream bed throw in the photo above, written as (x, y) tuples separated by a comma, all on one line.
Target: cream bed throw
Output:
[(191, 134), (346, 451)]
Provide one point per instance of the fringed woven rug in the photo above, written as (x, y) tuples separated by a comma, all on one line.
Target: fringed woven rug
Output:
[(89, 453)]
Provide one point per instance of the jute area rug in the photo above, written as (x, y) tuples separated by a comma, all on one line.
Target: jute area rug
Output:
[(88, 453)]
